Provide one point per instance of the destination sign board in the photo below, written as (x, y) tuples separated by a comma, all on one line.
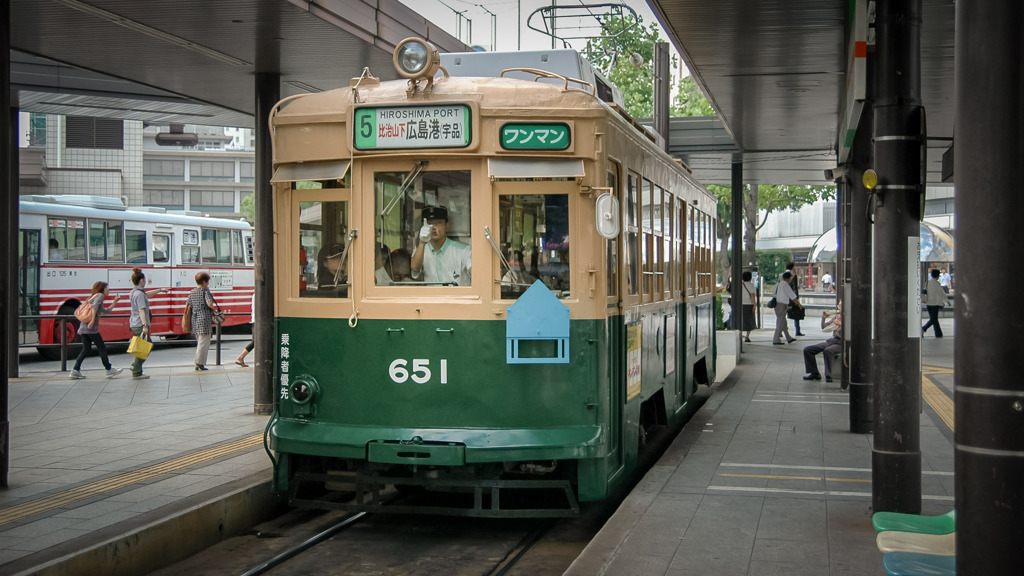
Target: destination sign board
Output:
[(398, 127), (536, 136)]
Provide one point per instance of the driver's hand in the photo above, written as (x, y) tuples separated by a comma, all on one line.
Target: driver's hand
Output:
[(425, 232)]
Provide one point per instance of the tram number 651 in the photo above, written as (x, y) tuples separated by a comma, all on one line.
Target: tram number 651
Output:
[(400, 371)]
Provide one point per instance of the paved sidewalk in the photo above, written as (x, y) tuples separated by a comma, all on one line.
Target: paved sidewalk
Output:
[(89, 454), (767, 479)]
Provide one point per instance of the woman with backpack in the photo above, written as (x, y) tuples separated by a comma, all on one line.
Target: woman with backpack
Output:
[(89, 332)]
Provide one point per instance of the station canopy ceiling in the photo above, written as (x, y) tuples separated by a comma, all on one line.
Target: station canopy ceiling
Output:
[(194, 61), (775, 70), (776, 73)]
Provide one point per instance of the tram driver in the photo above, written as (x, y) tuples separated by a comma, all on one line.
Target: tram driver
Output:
[(439, 259)]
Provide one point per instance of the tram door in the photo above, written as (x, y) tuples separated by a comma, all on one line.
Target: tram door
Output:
[(28, 285)]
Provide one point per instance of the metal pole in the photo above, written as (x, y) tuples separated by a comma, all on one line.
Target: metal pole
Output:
[(662, 96), (63, 323), (6, 265), (736, 300), (13, 222), (218, 343), (899, 128), (858, 351), (268, 92), (989, 392)]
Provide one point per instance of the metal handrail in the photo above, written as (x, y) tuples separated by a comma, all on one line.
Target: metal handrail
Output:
[(64, 318)]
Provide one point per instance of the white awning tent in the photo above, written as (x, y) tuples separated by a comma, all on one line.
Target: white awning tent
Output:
[(936, 245)]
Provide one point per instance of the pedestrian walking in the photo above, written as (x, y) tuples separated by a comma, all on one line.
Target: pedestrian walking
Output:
[(748, 296), (935, 300), (795, 314), (252, 343), (784, 294), (89, 333), (140, 322), (203, 305)]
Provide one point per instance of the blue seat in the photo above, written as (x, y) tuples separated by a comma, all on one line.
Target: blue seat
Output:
[(942, 524), (911, 564)]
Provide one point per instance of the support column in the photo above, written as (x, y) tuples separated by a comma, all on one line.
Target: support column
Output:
[(662, 92), (896, 455), (737, 249), (989, 391), (9, 280), (268, 93), (13, 224), (857, 285)]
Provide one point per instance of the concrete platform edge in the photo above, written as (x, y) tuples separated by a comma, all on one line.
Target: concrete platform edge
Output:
[(162, 536)]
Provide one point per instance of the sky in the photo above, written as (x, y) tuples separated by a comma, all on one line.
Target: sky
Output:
[(505, 12)]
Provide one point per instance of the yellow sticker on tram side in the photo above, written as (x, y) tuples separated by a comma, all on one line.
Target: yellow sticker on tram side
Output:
[(633, 358)]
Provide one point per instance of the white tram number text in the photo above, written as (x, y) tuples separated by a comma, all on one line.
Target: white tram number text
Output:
[(418, 371)]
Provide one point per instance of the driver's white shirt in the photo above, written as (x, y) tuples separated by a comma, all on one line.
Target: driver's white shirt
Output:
[(452, 263)]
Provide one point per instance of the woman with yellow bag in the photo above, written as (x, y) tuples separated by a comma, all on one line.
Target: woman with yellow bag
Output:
[(141, 318)]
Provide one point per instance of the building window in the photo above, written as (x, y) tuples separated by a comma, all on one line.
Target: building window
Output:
[(247, 172), (212, 200), (164, 198), (210, 171), (103, 133), (163, 169), (37, 129)]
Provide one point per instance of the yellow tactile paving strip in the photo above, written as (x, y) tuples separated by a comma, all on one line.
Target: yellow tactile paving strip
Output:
[(66, 497), (936, 398)]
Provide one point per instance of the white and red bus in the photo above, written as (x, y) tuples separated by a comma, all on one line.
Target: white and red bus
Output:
[(69, 242)]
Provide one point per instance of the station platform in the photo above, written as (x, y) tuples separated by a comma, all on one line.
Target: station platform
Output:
[(765, 479), (96, 463)]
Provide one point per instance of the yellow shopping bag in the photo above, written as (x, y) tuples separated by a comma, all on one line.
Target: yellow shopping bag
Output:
[(139, 347)]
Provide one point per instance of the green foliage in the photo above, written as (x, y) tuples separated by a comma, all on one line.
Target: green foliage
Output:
[(248, 207), (771, 264), (780, 197), (689, 101), (611, 53)]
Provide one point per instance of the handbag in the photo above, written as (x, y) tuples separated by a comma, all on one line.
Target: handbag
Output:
[(773, 302), (186, 319), (218, 316), (140, 347), (795, 312), (85, 312)]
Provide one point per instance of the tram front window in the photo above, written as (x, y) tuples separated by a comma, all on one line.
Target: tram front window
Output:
[(323, 249), (422, 228), (535, 242)]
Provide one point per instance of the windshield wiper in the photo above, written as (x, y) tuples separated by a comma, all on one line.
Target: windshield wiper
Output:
[(490, 240)]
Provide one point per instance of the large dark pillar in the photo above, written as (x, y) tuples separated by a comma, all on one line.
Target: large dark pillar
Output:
[(896, 457), (268, 93), (662, 92), (737, 249), (8, 280), (857, 285), (12, 224), (989, 389)]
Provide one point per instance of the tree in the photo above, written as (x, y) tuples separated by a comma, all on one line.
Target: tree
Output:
[(689, 100), (248, 207), (611, 54)]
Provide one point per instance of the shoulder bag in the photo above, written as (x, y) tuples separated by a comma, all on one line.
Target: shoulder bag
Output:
[(217, 315), (186, 319), (85, 312), (773, 302)]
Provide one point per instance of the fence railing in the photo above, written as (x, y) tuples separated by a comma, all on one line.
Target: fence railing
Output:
[(63, 319)]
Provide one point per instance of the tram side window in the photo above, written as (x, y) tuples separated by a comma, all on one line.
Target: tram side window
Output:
[(629, 256), (612, 263), (534, 237), (135, 246), (323, 249), (403, 201), (66, 239), (106, 241)]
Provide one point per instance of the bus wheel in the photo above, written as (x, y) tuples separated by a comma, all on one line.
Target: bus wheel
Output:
[(71, 329)]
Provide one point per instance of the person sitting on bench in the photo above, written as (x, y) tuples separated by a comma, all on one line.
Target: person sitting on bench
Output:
[(829, 348)]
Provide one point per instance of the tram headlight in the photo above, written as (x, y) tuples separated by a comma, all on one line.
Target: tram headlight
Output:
[(304, 391), (416, 58)]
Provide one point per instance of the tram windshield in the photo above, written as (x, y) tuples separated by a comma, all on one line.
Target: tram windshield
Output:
[(535, 242), (422, 228)]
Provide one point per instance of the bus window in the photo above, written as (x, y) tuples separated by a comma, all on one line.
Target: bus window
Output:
[(66, 239), (161, 249), (323, 227), (216, 246), (534, 233), (190, 246), (135, 245), (237, 255), (403, 201), (106, 241)]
